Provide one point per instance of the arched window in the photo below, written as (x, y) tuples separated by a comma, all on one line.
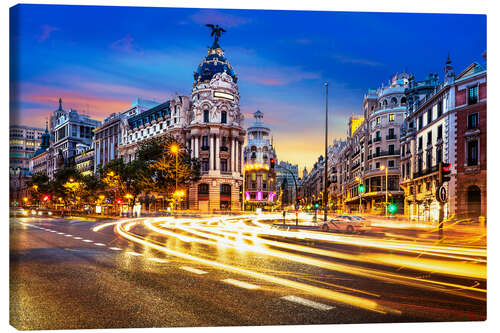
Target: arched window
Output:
[(225, 189), (205, 116), (394, 101), (384, 103), (223, 117), (403, 101)]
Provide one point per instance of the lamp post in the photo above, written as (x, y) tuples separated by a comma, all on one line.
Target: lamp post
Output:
[(383, 167), (325, 195), (174, 149)]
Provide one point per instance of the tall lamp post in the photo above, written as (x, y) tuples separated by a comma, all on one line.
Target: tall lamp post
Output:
[(325, 193), (383, 167), (174, 149)]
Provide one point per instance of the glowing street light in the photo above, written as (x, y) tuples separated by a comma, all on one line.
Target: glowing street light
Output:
[(383, 167)]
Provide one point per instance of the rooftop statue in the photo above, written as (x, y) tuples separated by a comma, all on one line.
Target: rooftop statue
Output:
[(216, 31)]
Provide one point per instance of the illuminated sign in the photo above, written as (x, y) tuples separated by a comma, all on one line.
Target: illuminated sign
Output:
[(247, 196), (224, 95), (259, 196)]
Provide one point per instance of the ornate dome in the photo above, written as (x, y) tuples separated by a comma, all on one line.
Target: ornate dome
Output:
[(214, 63)]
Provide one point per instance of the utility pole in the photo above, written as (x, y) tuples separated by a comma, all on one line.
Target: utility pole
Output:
[(325, 191)]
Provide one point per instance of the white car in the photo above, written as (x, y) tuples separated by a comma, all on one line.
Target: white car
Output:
[(347, 223)]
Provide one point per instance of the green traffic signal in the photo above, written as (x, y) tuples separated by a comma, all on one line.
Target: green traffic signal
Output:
[(316, 205), (361, 188), (392, 208)]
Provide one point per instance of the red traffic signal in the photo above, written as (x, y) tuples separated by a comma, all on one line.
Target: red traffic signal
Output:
[(444, 172), (46, 197), (272, 163), (119, 201)]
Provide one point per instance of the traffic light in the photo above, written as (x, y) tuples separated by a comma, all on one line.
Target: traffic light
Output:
[(444, 172), (119, 201), (392, 208), (316, 205), (272, 163), (361, 188), (46, 197)]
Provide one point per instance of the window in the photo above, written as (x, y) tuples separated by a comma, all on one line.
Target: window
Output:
[(377, 165), (420, 122), (472, 121), (378, 120), (411, 124), (419, 163), (378, 134), (225, 189), (440, 132), (429, 138), (391, 149), (204, 164), (439, 155), (223, 117), (223, 165), (254, 176), (391, 133), (420, 140), (429, 116), (472, 152), (203, 189), (428, 161), (391, 116), (205, 116), (391, 163), (473, 95), (408, 168), (204, 142), (440, 109)]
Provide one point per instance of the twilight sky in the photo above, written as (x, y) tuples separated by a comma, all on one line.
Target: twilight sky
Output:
[(98, 59)]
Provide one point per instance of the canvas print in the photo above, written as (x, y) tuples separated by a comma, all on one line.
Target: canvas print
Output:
[(183, 167)]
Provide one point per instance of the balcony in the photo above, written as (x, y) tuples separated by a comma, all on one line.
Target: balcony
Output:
[(377, 139), (355, 166), (425, 172), (355, 154), (223, 148), (391, 137), (384, 153), (370, 142), (205, 147)]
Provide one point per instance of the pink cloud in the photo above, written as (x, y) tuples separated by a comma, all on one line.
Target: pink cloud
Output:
[(125, 44), (46, 32), (349, 60), (273, 76), (205, 16)]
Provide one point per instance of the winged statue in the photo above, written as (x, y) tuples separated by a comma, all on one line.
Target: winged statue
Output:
[(216, 31)]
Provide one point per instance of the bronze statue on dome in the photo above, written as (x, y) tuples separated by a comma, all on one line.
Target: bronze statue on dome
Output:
[(216, 31)]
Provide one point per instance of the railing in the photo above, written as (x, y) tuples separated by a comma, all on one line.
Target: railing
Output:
[(385, 153), (425, 172), (355, 154), (377, 139), (223, 148), (391, 137), (205, 147)]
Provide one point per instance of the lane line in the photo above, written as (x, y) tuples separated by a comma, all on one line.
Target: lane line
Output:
[(78, 238), (133, 253), (68, 235), (241, 284), (115, 248), (60, 233), (158, 260), (99, 244), (309, 303), (87, 241), (193, 270)]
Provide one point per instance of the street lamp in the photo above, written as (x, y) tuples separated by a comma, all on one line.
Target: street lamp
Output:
[(383, 167), (325, 196), (174, 149)]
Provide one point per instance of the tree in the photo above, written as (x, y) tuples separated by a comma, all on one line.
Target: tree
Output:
[(66, 186), (38, 186), (163, 169)]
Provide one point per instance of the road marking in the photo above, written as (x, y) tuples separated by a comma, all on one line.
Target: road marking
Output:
[(306, 302), (99, 244), (87, 241), (68, 235), (193, 270), (77, 237), (53, 231), (133, 253), (115, 248), (241, 284), (60, 233), (158, 260)]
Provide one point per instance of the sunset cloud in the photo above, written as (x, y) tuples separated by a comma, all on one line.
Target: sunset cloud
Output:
[(46, 32)]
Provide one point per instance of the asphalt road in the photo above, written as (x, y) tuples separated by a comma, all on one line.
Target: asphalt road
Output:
[(169, 273)]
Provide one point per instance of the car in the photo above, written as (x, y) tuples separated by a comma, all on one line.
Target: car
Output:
[(346, 223)]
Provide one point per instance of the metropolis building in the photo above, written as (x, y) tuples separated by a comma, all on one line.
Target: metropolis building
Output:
[(209, 125)]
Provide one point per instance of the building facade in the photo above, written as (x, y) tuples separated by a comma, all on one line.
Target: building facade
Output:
[(259, 158), (287, 182), (23, 143)]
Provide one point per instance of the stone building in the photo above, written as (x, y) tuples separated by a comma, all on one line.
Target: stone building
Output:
[(288, 181), (259, 159), (209, 124)]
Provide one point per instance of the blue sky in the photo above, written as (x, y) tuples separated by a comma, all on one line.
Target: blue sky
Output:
[(98, 59)]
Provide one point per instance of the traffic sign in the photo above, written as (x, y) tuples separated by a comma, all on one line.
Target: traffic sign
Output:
[(442, 194)]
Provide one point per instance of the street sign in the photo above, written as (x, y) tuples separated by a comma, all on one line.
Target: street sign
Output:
[(442, 194)]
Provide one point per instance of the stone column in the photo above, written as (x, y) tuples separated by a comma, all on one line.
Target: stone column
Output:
[(211, 153), (240, 155), (192, 147), (233, 164), (196, 146), (217, 153)]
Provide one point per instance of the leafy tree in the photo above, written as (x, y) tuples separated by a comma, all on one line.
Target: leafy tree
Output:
[(66, 186), (39, 185)]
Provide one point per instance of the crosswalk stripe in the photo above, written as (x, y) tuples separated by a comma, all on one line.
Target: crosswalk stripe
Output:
[(193, 270), (306, 302), (241, 284)]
